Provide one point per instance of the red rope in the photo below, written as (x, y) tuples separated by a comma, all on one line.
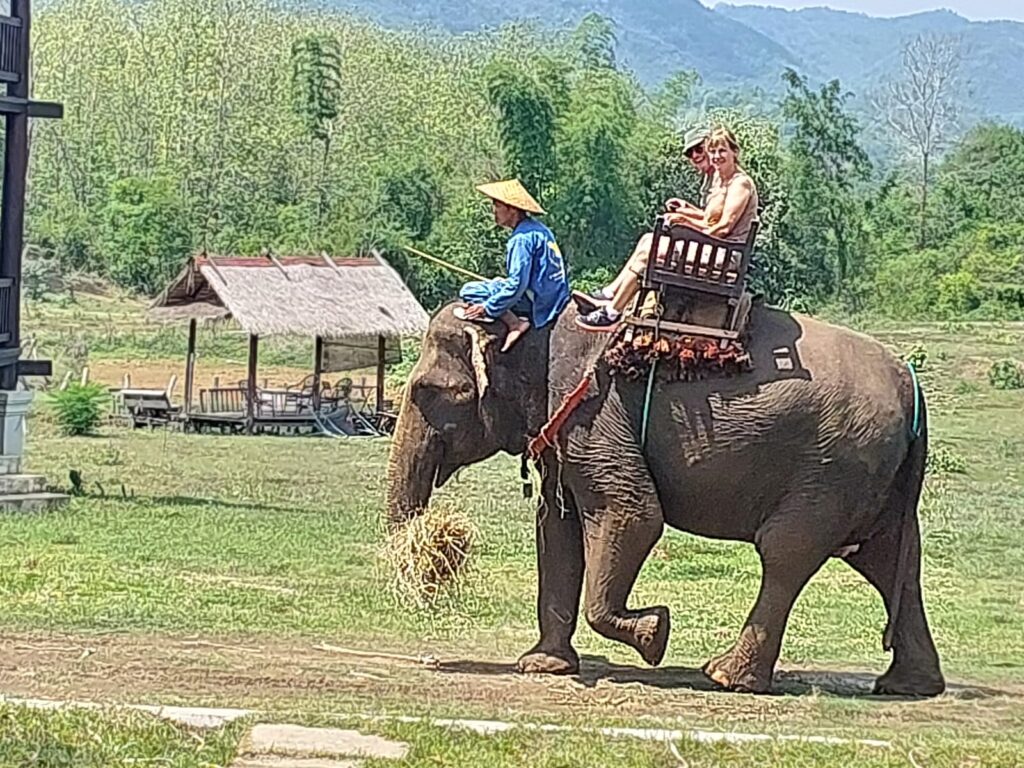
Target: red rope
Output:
[(549, 432)]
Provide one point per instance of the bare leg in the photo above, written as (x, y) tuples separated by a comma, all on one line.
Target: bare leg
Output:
[(517, 327), (630, 277)]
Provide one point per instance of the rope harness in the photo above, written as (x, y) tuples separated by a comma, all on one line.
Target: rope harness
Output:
[(915, 429), (549, 432), (647, 405)]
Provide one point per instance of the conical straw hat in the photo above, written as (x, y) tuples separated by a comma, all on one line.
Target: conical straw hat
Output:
[(513, 193)]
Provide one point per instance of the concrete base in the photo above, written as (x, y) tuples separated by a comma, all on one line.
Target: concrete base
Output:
[(18, 492), (13, 419)]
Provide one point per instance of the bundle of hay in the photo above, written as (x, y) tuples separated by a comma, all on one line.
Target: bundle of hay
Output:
[(429, 553)]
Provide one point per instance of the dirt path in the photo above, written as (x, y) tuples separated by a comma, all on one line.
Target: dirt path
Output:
[(261, 673)]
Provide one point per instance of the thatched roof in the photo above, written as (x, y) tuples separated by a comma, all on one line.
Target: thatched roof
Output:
[(341, 299)]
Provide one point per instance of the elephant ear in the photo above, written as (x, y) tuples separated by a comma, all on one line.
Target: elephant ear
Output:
[(478, 344)]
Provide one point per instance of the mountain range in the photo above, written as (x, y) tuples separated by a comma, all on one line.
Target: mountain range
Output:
[(750, 45)]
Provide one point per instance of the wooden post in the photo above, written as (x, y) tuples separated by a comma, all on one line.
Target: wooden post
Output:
[(190, 366), (318, 369), (13, 226), (250, 400), (381, 356)]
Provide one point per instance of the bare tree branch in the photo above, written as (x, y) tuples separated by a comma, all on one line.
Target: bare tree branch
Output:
[(922, 106)]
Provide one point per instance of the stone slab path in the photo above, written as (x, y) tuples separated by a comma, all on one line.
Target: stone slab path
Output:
[(270, 745), (298, 747)]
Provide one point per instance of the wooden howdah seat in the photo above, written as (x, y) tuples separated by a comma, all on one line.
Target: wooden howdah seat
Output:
[(692, 275)]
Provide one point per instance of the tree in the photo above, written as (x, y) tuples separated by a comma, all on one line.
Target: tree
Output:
[(316, 91), (980, 179), (593, 42), (144, 233), (527, 124), (824, 165), (596, 198), (922, 106)]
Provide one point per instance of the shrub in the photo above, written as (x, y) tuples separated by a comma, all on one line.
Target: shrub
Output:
[(917, 356), (958, 294), (945, 461), (1006, 374), (79, 408), (964, 387)]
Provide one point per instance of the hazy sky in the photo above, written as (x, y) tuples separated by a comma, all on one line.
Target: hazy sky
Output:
[(971, 9)]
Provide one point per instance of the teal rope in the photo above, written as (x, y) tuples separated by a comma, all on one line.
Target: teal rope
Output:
[(647, 405), (915, 431)]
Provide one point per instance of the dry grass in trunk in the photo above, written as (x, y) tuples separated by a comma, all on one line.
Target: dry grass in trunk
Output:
[(427, 555)]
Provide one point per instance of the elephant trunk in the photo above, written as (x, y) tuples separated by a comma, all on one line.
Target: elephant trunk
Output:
[(413, 465)]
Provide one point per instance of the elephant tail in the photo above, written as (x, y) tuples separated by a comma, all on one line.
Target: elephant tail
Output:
[(905, 496)]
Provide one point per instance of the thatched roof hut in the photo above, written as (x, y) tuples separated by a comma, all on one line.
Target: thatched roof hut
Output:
[(297, 296), (357, 309)]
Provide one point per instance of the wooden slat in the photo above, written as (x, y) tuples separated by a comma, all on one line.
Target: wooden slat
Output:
[(46, 109), (684, 329), (729, 290), (35, 368)]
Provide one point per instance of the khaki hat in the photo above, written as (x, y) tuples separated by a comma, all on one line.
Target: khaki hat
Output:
[(694, 138), (513, 193)]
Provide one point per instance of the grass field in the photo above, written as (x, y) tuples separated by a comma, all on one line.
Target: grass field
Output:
[(223, 564)]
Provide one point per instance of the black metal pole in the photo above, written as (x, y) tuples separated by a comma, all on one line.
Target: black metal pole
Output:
[(13, 227)]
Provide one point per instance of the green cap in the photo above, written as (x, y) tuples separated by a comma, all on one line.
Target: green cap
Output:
[(694, 138)]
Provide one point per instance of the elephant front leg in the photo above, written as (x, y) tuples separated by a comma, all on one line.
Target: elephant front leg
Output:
[(560, 571), (617, 542)]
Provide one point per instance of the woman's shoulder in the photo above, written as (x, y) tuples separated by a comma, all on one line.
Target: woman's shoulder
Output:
[(744, 179)]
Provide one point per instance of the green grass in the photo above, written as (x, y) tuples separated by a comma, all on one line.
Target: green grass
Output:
[(116, 738), (276, 539), (75, 738)]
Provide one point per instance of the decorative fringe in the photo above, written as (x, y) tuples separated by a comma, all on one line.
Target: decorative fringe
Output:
[(685, 358)]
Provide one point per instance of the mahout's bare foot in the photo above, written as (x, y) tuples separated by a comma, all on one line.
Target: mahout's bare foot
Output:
[(515, 333)]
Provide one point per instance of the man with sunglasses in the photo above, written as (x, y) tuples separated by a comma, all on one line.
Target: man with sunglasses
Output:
[(696, 154)]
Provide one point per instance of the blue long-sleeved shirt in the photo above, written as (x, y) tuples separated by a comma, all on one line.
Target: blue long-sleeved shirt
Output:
[(536, 270)]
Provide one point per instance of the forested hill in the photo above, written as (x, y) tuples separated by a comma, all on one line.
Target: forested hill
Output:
[(861, 50), (749, 44), (656, 37)]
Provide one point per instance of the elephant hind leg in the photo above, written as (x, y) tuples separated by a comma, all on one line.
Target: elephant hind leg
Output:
[(915, 669), (616, 543), (789, 558)]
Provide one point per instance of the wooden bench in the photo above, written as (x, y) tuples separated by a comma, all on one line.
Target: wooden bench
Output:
[(148, 407), (683, 259)]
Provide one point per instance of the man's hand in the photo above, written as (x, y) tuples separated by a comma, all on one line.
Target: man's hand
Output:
[(677, 219), (475, 312), (675, 205)]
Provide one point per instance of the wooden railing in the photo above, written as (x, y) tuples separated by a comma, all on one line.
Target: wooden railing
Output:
[(6, 297), (10, 49)]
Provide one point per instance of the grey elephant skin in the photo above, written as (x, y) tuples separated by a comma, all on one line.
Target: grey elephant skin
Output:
[(811, 455)]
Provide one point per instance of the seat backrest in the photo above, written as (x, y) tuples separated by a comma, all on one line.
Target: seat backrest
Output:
[(685, 258)]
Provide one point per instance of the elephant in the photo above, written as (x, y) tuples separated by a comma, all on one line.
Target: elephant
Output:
[(816, 451)]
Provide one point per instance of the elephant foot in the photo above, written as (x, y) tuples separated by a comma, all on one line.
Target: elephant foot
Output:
[(539, 661), (900, 681), (652, 631), (734, 675)]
